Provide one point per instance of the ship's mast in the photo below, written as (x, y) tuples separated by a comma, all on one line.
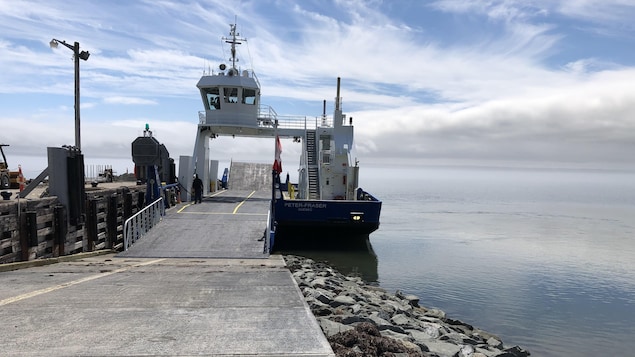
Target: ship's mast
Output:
[(233, 40)]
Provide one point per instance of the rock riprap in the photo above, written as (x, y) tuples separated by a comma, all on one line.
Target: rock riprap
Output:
[(365, 320)]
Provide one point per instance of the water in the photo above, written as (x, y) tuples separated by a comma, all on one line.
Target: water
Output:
[(545, 259)]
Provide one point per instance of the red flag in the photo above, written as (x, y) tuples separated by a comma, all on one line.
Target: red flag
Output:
[(277, 164)]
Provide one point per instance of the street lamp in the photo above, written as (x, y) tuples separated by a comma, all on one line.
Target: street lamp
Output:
[(77, 55)]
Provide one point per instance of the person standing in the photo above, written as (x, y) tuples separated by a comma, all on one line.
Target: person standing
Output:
[(197, 187)]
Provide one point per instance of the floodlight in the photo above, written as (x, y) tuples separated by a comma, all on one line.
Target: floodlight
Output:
[(77, 56)]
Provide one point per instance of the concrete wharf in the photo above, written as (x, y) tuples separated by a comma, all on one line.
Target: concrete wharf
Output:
[(197, 284)]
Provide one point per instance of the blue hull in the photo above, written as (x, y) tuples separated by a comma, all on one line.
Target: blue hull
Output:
[(332, 217)]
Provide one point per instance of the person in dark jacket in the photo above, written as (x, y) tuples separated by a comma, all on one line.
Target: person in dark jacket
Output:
[(197, 187)]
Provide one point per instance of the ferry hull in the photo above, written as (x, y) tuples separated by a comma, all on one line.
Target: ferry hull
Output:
[(322, 217)]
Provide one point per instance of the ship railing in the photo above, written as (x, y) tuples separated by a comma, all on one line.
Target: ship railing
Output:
[(141, 222), (267, 112), (253, 74), (323, 121), (267, 117), (292, 122)]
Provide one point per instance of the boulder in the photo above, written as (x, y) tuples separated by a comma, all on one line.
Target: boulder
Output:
[(413, 300), (494, 342), (342, 300), (401, 320), (435, 313), (354, 320), (377, 319), (392, 328), (321, 297), (331, 328), (443, 348), (514, 352), (365, 320), (318, 283)]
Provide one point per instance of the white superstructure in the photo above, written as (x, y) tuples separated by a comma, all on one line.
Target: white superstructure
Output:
[(231, 98)]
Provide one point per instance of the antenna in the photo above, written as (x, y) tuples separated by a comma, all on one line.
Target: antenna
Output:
[(234, 40), (324, 113), (337, 100)]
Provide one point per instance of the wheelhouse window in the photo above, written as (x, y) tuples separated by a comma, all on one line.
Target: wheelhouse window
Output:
[(213, 98), (231, 95), (249, 96)]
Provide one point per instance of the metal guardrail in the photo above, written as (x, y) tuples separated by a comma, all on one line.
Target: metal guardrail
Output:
[(141, 222), (268, 118), (269, 234)]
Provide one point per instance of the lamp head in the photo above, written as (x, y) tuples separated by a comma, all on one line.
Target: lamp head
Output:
[(53, 43), (84, 55)]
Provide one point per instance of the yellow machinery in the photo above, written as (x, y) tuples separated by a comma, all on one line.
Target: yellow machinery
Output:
[(8, 178)]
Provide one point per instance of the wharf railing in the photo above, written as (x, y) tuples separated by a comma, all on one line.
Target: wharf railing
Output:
[(139, 224)]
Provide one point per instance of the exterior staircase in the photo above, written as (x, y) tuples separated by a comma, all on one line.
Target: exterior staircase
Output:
[(314, 179)]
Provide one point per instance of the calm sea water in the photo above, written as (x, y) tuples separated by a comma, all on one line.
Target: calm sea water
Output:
[(545, 259)]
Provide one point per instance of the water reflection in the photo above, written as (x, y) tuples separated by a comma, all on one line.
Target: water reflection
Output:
[(354, 257)]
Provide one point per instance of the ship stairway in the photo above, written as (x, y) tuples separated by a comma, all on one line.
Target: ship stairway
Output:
[(314, 180)]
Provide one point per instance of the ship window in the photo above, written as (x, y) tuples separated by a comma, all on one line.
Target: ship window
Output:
[(326, 142), (231, 95), (249, 96), (213, 98)]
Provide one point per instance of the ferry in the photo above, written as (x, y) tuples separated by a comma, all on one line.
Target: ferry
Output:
[(327, 199)]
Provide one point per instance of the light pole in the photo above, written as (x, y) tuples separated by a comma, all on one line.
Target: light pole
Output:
[(77, 55)]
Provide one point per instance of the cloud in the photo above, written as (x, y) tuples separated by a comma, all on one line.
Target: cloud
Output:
[(506, 83), (586, 121), (129, 100), (610, 13)]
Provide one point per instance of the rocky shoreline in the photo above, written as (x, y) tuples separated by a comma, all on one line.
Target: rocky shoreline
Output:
[(364, 320)]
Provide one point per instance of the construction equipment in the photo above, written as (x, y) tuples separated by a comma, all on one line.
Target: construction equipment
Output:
[(8, 178)]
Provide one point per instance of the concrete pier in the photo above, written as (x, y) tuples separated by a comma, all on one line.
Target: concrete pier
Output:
[(198, 284)]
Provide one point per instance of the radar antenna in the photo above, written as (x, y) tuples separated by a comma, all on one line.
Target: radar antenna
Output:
[(233, 40)]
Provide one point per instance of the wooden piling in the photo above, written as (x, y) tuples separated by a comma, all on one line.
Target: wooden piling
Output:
[(60, 230), (111, 219)]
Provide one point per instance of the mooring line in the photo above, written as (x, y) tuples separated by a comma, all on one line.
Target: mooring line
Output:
[(71, 283)]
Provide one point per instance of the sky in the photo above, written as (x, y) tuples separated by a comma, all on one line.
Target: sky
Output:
[(541, 83)]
